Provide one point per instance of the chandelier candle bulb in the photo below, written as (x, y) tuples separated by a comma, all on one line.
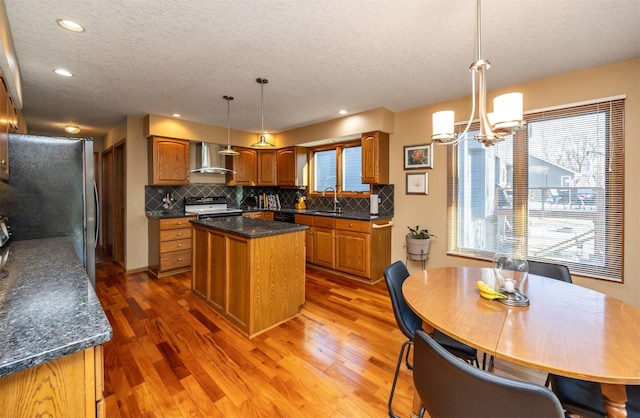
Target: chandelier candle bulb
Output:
[(443, 122)]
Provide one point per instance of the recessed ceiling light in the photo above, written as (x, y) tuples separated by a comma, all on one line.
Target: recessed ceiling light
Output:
[(342, 112), (70, 25), (72, 129), (176, 115), (63, 72)]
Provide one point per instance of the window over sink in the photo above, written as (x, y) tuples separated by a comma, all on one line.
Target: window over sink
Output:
[(339, 165)]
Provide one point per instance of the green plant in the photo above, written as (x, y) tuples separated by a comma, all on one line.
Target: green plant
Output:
[(417, 233)]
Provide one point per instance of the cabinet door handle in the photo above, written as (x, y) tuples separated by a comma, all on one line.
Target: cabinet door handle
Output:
[(387, 225)]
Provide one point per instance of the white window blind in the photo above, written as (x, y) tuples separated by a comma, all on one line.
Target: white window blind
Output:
[(558, 183)]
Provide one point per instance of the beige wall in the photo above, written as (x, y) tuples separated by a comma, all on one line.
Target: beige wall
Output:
[(414, 127)]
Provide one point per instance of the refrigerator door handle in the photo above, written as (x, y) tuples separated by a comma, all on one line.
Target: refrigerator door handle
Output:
[(97, 200)]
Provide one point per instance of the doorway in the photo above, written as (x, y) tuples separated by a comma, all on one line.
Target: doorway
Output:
[(113, 202)]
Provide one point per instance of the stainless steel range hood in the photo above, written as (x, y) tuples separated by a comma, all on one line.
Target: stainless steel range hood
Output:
[(208, 160)]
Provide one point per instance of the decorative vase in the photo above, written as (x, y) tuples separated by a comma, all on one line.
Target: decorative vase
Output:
[(510, 265)]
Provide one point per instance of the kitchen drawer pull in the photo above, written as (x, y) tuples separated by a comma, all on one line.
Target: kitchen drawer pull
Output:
[(179, 258), (387, 225), (179, 234), (179, 245)]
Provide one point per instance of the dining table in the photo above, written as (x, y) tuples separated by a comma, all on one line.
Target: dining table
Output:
[(566, 329)]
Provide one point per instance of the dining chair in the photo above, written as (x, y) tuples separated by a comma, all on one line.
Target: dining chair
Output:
[(551, 270), (585, 398), (409, 322), (449, 387)]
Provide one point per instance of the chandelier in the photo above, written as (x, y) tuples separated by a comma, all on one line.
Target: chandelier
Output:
[(262, 143), (494, 127)]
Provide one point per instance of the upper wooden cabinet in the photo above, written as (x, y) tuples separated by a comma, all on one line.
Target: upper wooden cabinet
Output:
[(169, 163), (267, 169), (245, 165), (375, 158), (292, 165)]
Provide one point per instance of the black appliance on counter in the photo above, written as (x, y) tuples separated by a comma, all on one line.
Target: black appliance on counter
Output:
[(206, 207), (284, 217)]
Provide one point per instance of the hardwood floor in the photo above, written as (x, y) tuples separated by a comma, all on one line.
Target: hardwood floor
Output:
[(173, 356)]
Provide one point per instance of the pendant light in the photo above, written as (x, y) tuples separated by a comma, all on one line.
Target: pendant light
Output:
[(263, 140), (228, 150), (494, 127)]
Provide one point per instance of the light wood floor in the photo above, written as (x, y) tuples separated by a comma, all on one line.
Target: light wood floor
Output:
[(173, 356)]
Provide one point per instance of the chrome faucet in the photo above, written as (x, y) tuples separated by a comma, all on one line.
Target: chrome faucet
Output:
[(336, 204)]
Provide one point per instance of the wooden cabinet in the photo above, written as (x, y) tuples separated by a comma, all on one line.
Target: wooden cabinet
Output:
[(70, 386), (358, 248), (245, 165), (375, 158), (255, 283), (169, 245), (4, 131), (169, 163), (292, 167), (319, 239), (267, 169), (266, 215)]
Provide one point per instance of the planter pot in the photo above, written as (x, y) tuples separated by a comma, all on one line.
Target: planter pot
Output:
[(417, 249)]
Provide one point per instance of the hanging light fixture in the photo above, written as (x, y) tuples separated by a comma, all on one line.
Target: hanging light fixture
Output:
[(494, 127), (263, 139), (228, 150)]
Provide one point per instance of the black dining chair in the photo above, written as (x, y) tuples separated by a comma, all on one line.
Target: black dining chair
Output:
[(449, 387), (409, 322), (551, 270), (585, 398)]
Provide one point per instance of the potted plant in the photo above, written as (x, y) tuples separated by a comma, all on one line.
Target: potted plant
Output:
[(418, 241)]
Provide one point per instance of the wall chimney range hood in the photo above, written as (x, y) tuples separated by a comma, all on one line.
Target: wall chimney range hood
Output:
[(208, 160)]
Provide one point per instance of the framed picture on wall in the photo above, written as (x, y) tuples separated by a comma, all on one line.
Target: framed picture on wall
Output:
[(418, 156), (418, 183)]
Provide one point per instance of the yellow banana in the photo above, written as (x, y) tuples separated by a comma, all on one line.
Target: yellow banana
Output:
[(492, 296), (488, 292)]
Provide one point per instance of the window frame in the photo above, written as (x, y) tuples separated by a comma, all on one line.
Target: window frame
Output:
[(338, 147), (613, 261)]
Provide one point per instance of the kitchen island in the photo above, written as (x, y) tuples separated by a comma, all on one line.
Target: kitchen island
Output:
[(251, 271), (51, 329)]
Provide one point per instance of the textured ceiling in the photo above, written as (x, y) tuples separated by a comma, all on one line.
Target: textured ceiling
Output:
[(148, 56)]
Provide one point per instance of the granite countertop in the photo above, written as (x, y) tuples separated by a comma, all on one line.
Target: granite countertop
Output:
[(364, 216), (48, 308), (249, 227)]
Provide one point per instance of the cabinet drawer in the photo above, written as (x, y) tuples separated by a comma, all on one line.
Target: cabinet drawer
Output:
[(173, 223), (351, 225), (173, 234), (175, 245), (175, 260), (304, 220), (323, 222)]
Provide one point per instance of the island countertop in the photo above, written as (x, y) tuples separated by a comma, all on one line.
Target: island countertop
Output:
[(249, 227), (48, 308)]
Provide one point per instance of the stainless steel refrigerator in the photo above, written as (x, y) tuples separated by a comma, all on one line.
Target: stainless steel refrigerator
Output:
[(51, 192)]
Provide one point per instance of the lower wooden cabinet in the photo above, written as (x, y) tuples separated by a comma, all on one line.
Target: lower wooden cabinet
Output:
[(359, 248), (70, 386), (169, 245)]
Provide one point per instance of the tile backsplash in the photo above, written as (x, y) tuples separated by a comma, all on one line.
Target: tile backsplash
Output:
[(236, 196)]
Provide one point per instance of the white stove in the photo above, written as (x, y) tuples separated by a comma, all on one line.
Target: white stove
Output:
[(205, 207)]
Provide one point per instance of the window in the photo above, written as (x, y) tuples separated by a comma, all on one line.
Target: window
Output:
[(342, 162), (558, 183)]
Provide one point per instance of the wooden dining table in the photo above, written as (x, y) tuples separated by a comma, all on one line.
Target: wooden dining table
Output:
[(566, 329)]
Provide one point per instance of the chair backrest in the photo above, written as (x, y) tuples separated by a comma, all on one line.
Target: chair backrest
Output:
[(554, 271), (449, 387), (407, 320)]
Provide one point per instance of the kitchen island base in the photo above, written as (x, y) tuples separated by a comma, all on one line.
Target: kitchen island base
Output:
[(254, 282)]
